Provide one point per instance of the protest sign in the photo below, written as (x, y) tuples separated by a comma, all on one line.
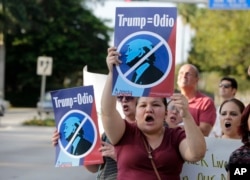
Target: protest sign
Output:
[(145, 37), (76, 121), (212, 166)]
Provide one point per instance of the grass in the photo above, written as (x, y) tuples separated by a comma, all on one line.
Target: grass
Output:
[(48, 122)]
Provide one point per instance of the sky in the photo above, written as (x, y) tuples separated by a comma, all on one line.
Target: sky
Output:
[(183, 34)]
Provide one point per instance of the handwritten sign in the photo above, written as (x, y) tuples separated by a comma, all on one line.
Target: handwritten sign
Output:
[(212, 166)]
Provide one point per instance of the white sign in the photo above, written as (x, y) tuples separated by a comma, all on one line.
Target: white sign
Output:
[(212, 166), (98, 82), (44, 65)]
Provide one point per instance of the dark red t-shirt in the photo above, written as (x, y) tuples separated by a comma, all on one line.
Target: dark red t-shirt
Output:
[(132, 158)]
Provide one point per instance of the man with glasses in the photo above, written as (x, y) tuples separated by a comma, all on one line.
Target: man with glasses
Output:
[(227, 90), (201, 106)]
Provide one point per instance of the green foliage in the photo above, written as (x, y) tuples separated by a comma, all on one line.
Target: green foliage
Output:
[(221, 42), (65, 30), (38, 122), (187, 12)]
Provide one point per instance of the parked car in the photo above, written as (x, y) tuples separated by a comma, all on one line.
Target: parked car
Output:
[(45, 106), (2, 107)]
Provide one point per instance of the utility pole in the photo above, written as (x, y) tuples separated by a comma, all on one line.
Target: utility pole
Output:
[(2, 53)]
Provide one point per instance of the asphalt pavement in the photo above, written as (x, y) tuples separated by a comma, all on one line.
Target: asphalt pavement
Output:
[(26, 152)]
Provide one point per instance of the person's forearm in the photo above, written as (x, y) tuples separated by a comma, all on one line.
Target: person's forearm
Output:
[(113, 124), (92, 168), (205, 128), (195, 138)]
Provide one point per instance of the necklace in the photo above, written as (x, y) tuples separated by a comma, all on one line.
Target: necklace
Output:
[(149, 154), (149, 150)]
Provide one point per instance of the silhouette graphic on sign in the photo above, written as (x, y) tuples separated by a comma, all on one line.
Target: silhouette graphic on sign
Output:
[(145, 71), (74, 134)]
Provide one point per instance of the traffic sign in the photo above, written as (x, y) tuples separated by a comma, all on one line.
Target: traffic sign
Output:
[(44, 65), (229, 4)]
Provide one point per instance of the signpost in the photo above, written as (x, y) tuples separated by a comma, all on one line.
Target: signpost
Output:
[(44, 65), (44, 68), (229, 4)]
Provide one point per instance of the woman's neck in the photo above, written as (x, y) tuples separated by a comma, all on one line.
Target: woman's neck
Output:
[(155, 139), (231, 136)]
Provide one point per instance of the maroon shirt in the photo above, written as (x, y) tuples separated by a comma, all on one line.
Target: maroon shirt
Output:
[(132, 158)]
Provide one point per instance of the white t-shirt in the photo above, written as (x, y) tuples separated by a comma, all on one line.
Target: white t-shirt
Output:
[(216, 130)]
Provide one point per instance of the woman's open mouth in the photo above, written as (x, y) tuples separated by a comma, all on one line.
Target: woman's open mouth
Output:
[(172, 118), (228, 124), (125, 107), (149, 119)]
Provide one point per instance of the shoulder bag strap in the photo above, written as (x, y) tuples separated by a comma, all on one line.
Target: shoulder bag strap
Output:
[(151, 158)]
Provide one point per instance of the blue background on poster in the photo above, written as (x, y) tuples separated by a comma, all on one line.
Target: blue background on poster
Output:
[(152, 24), (87, 128), (160, 62), (133, 12), (76, 104), (76, 94)]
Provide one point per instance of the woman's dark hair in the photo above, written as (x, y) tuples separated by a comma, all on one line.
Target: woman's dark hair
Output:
[(243, 129), (234, 100)]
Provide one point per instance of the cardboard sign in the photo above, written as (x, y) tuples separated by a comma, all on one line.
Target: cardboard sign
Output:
[(212, 166)]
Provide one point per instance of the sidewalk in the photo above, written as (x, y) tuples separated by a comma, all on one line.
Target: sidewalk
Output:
[(27, 152), (16, 116)]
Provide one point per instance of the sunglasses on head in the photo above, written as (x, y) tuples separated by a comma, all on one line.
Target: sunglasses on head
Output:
[(225, 85), (127, 98)]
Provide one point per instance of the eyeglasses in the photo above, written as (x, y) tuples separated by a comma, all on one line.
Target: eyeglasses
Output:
[(225, 85), (172, 108), (127, 98)]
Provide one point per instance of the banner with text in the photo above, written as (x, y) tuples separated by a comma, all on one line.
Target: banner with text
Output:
[(76, 121), (146, 39), (212, 166)]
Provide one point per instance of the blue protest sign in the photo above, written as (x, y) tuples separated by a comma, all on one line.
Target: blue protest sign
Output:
[(229, 4), (76, 121)]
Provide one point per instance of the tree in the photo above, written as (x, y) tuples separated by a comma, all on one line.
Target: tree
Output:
[(221, 42), (65, 30)]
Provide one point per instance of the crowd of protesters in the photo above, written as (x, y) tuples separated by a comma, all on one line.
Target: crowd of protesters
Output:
[(155, 133)]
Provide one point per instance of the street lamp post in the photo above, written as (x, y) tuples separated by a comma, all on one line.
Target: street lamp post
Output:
[(2, 53)]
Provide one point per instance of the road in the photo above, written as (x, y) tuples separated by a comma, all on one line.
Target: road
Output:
[(26, 152)]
